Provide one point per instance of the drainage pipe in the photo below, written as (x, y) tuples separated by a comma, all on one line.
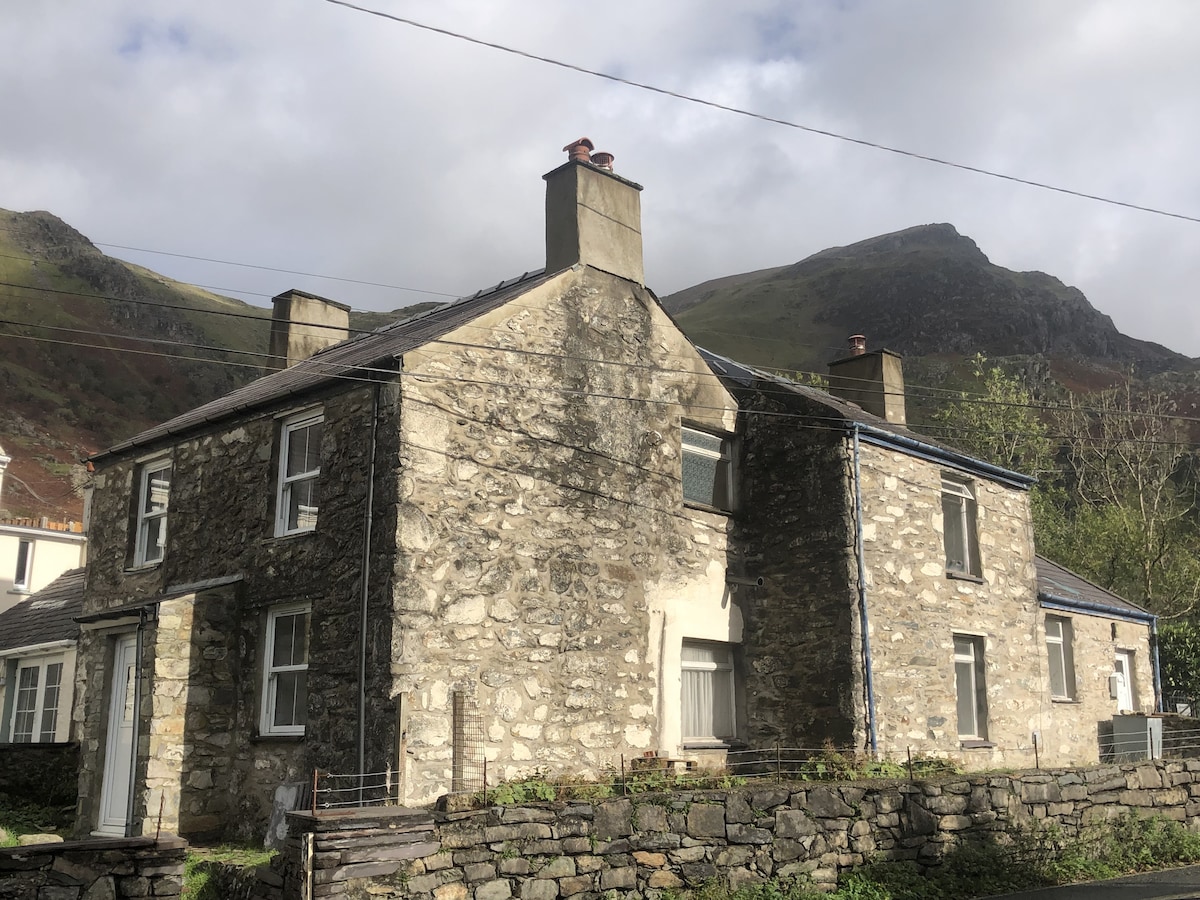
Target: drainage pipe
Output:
[(865, 622), (364, 596), (137, 721)]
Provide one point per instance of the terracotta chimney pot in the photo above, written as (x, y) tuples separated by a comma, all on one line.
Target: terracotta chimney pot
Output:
[(858, 344), (580, 150)]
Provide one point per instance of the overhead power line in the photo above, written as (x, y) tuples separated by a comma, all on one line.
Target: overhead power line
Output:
[(712, 104)]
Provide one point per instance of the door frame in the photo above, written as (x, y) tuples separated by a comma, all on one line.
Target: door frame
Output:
[(123, 696)]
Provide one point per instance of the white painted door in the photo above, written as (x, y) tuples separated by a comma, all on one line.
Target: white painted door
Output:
[(118, 752), (1124, 671)]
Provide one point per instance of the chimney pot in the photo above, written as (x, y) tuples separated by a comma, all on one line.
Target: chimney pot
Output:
[(858, 344), (603, 160), (580, 150)]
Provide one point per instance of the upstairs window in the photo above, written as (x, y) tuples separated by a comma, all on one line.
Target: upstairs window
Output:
[(24, 564), (958, 527), (285, 674), (154, 493), (1061, 658), (708, 696), (299, 470), (707, 469), (36, 701)]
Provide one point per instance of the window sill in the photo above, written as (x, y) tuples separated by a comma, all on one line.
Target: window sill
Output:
[(277, 739), (963, 576), (975, 744), (292, 535), (143, 567), (713, 745), (1070, 701), (704, 507), (20, 592)]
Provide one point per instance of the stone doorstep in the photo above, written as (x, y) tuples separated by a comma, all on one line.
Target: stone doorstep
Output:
[(356, 870), (373, 839)]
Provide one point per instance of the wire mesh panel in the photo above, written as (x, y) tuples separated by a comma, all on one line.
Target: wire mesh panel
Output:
[(469, 772)]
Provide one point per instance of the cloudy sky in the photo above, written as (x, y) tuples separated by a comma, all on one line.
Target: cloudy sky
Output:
[(305, 136)]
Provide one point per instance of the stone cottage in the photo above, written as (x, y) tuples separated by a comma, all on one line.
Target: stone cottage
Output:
[(537, 527), (38, 638), (513, 509), (903, 607)]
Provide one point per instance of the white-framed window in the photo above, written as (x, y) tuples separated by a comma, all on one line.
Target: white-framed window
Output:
[(24, 565), (35, 702), (299, 470), (958, 527), (707, 469), (154, 494), (1061, 657), (970, 687), (707, 701), (285, 671)]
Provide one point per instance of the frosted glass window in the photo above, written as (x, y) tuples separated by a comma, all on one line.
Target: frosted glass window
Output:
[(707, 469)]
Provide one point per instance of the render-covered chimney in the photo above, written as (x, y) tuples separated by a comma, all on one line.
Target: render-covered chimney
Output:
[(593, 216), (874, 379), (302, 324)]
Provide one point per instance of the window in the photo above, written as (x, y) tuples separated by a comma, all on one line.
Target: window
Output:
[(35, 704), (707, 702), (970, 687), (24, 558), (154, 493), (285, 673), (707, 469), (1062, 661), (299, 467), (958, 527)]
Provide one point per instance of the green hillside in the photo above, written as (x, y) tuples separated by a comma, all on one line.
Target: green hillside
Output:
[(94, 349)]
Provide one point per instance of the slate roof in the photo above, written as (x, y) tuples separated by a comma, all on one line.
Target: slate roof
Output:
[(350, 358), (905, 439), (1056, 582), (48, 615)]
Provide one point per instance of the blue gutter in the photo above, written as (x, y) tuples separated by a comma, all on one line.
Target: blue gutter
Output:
[(930, 453), (862, 595), (1050, 601)]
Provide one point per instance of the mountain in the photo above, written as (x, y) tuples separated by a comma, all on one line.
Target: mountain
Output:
[(94, 349), (925, 292)]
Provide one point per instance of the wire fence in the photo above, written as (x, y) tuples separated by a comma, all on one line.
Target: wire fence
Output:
[(1131, 738)]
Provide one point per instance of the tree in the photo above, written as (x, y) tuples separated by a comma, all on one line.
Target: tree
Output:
[(1129, 506), (998, 422)]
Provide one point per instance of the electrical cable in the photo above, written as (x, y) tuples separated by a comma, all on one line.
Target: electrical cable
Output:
[(712, 104)]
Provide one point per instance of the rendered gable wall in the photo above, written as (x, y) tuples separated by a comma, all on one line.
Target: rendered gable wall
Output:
[(546, 567)]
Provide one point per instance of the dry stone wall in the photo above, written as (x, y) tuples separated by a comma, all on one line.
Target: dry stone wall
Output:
[(82, 870), (637, 845)]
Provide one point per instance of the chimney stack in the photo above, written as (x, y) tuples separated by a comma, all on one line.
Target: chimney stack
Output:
[(874, 379), (593, 216), (302, 324)]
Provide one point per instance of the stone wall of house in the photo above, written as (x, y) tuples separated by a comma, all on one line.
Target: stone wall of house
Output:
[(689, 838), (802, 679), (545, 553), (1072, 730), (915, 609), (80, 870), (201, 751), (40, 773)]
